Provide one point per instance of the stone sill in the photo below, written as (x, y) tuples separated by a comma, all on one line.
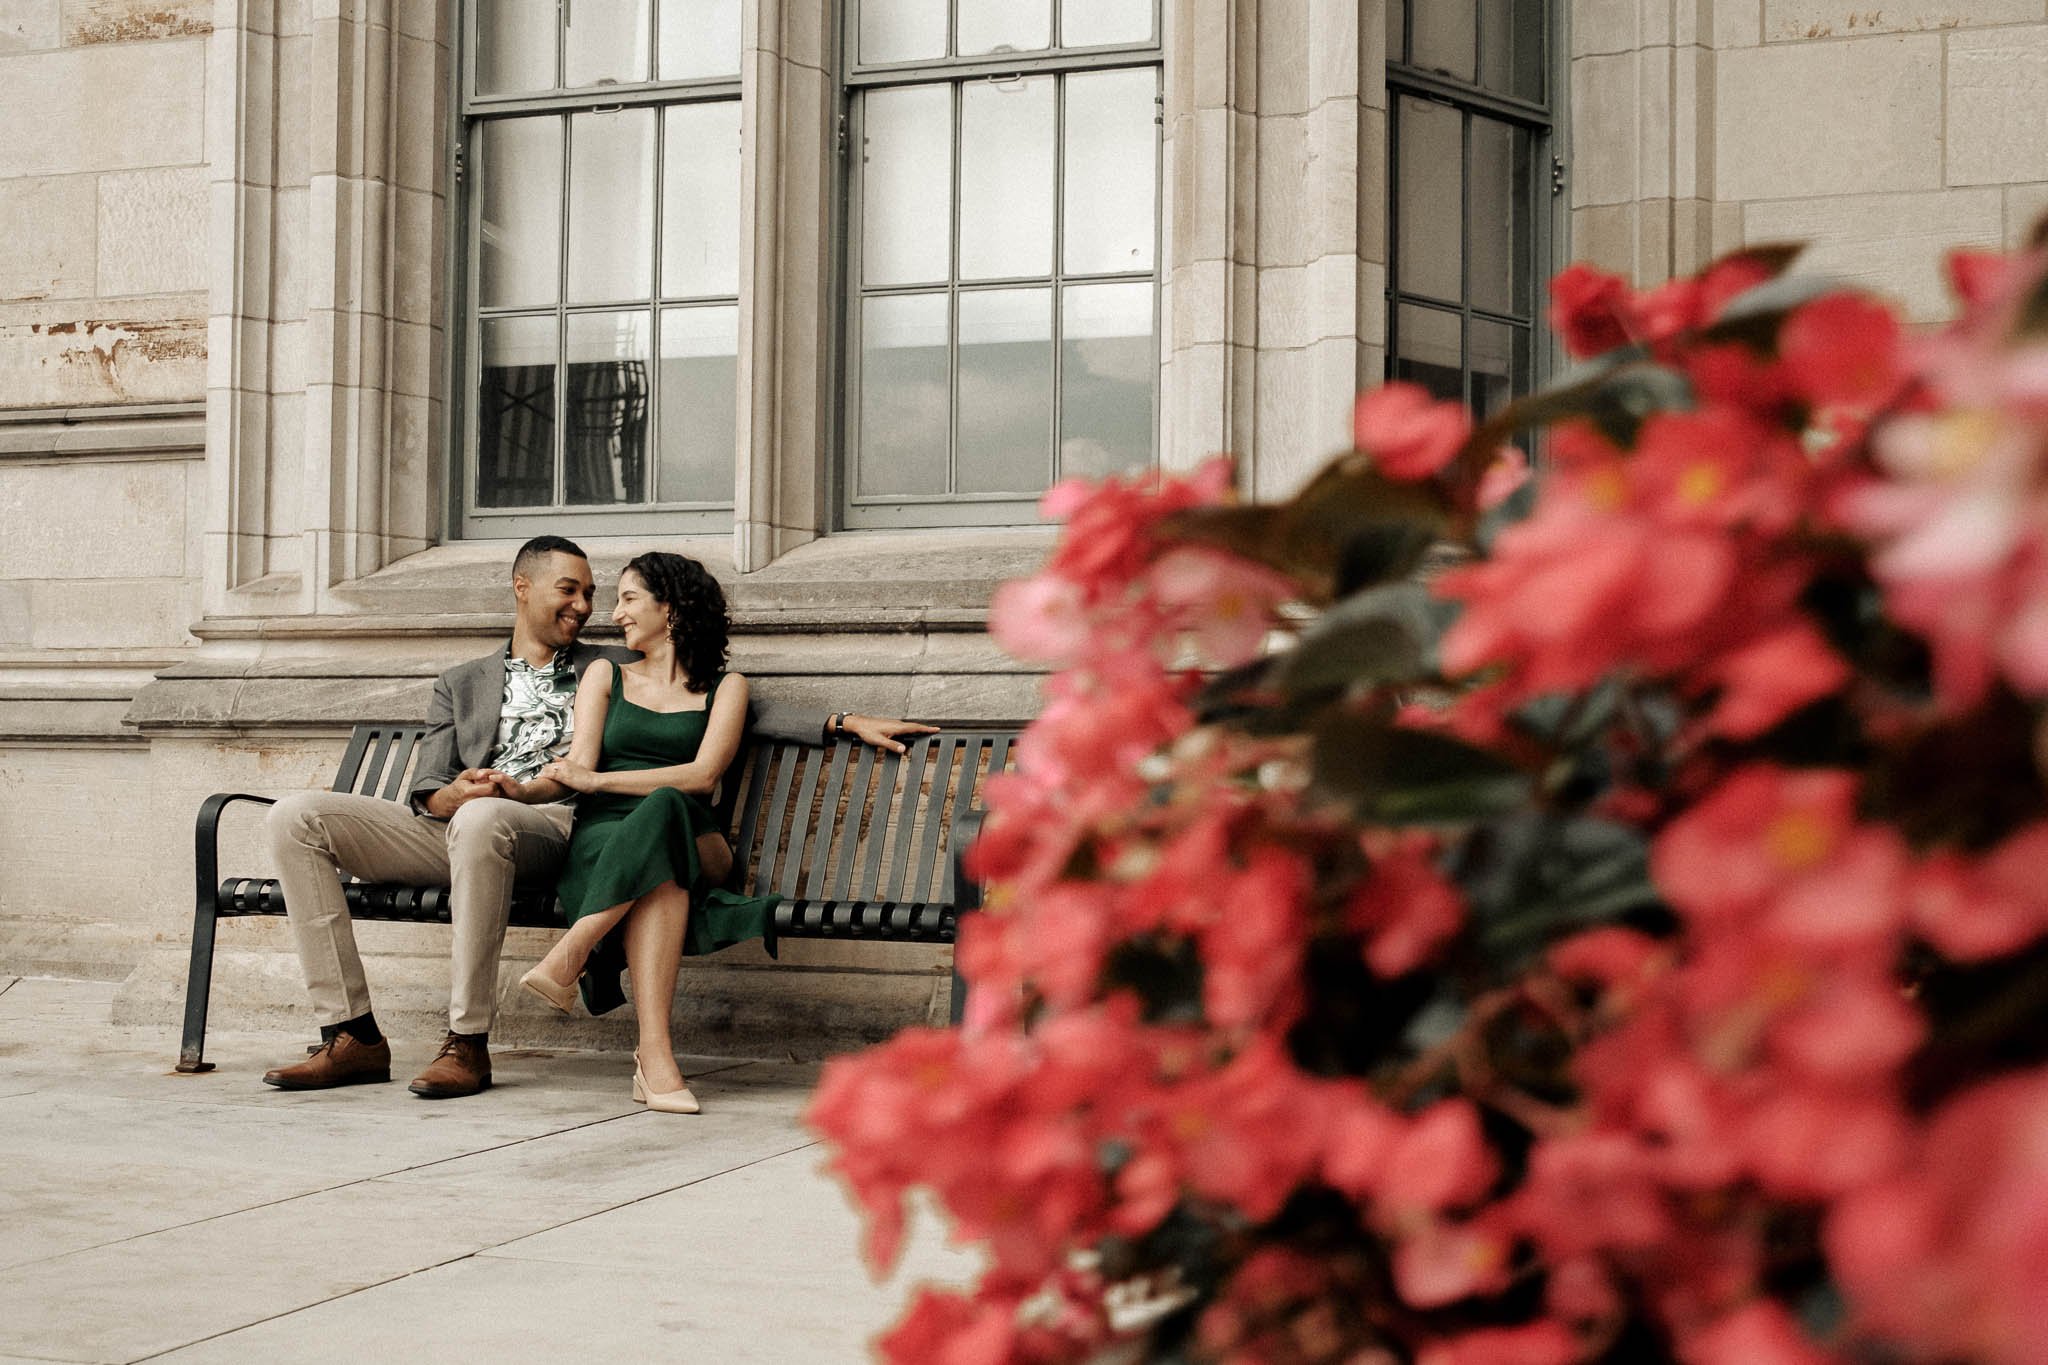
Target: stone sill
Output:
[(138, 431), (868, 581)]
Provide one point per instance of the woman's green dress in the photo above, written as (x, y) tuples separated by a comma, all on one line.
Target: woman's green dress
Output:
[(622, 847)]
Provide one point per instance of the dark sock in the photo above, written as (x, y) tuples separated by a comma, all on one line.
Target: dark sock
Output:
[(362, 1028), (327, 1032), (483, 1037)]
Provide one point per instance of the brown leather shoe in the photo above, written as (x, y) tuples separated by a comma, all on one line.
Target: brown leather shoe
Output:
[(461, 1067), (342, 1060)]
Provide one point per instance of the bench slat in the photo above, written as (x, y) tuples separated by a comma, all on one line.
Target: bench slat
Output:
[(865, 883), (796, 855), (840, 882), (403, 744)]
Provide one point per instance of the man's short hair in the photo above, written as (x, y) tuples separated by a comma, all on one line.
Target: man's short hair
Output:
[(528, 561)]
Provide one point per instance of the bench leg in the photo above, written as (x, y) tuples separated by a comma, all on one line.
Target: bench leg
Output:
[(966, 900), (198, 986)]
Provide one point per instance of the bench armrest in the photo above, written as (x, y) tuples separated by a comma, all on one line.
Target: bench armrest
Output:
[(206, 839)]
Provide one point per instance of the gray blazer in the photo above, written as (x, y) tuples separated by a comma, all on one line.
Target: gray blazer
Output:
[(462, 719)]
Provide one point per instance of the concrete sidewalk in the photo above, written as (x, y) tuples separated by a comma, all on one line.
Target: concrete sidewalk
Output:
[(150, 1216)]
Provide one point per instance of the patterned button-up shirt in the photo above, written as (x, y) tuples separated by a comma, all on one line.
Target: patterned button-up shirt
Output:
[(539, 712)]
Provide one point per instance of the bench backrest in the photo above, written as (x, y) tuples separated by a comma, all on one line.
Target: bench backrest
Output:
[(841, 823), (850, 823)]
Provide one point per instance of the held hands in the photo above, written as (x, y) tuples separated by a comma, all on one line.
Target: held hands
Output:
[(883, 732), (574, 776), (466, 787)]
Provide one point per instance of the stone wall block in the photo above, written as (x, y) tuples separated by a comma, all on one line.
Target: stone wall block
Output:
[(1737, 23), (2026, 207), (1333, 29), (415, 255), (288, 243), (1283, 65), (1998, 106), (1599, 27), (85, 352), (1605, 235), (16, 615), (294, 133), (1285, 226), (1283, 309), (29, 25), (1192, 406), (420, 102), (147, 108), (111, 613), (1206, 42), (1654, 151), (1332, 296), (152, 231), (138, 520), (91, 22), (1605, 106), (1891, 243), (1804, 19), (47, 225), (1810, 119)]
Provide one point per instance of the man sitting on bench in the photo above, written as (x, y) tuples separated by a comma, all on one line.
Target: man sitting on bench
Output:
[(491, 726)]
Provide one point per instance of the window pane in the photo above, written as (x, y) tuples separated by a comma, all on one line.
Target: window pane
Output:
[(1002, 25), (901, 30), (1511, 47), (906, 185), (515, 46), (1005, 391), (1500, 364), (903, 394), (605, 41), (1427, 205), (1426, 351), (519, 174), (700, 200), (1108, 366), (611, 204), (1111, 172), (604, 436), (699, 403), (1006, 170), (515, 413), (1445, 37), (1087, 23), (699, 38), (1497, 237)]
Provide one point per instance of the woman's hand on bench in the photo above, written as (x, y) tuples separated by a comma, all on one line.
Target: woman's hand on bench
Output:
[(881, 731)]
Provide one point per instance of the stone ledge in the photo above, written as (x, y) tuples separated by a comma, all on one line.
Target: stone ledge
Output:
[(121, 432)]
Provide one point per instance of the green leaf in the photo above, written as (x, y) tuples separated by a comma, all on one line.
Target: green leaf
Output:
[(1382, 635), (1537, 877), (1394, 776)]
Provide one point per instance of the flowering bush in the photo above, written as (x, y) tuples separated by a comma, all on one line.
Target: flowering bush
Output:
[(1630, 946)]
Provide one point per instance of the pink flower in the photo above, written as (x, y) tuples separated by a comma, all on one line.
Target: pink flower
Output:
[(1408, 434), (1843, 348), (1406, 909), (1042, 618), (1225, 602)]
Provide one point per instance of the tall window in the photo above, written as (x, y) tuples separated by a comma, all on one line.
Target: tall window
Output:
[(601, 166), (1002, 253), (1468, 86)]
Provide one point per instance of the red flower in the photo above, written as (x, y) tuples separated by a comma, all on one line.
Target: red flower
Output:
[(1589, 307), (1406, 909), (1843, 348), (1408, 434)]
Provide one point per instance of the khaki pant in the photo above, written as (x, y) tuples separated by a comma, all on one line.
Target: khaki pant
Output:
[(478, 855)]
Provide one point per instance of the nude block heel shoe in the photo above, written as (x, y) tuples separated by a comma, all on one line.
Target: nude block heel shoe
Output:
[(677, 1101), (562, 998)]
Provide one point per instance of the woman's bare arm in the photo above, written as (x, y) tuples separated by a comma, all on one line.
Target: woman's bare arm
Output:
[(586, 743), (700, 775)]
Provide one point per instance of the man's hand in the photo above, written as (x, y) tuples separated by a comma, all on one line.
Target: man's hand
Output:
[(883, 732), (468, 785), (574, 776)]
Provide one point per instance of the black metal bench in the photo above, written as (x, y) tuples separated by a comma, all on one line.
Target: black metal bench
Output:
[(863, 845)]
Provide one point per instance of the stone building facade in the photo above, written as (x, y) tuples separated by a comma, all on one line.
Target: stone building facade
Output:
[(255, 379)]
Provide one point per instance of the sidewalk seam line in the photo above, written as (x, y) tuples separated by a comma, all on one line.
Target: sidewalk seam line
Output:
[(466, 1256)]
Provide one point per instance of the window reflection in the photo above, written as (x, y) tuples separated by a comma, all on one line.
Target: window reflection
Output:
[(604, 434), (516, 413)]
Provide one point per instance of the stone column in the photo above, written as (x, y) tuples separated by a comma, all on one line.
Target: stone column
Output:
[(328, 123), (1276, 240), (786, 392)]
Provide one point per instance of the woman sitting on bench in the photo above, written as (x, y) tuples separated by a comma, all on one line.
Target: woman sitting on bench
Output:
[(641, 885)]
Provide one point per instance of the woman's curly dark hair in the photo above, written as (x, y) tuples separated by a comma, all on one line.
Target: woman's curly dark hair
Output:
[(698, 623)]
